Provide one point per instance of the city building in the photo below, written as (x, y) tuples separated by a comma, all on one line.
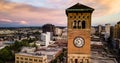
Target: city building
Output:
[(99, 29), (111, 31), (30, 58), (107, 31), (99, 55), (48, 28), (46, 37), (58, 31), (116, 37), (64, 34), (116, 32), (79, 25), (41, 55), (51, 52), (93, 30)]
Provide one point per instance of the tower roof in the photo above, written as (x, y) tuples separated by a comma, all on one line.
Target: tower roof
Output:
[(79, 8)]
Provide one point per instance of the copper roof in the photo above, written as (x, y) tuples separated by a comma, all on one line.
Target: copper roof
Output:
[(79, 8)]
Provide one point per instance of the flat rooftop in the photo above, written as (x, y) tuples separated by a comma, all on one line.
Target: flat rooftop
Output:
[(101, 57), (98, 55), (49, 52), (31, 54)]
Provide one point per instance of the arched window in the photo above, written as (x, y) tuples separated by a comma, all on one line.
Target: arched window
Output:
[(76, 60), (79, 24), (74, 24), (71, 60), (81, 60), (83, 24), (86, 60)]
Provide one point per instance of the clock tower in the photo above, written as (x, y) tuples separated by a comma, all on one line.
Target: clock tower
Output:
[(79, 25)]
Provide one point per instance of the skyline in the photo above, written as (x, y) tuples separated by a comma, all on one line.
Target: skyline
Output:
[(37, 13)]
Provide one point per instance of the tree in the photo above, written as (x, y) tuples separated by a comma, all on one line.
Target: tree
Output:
[(6, 55), (54, 61), (1, 61), (16, 46)]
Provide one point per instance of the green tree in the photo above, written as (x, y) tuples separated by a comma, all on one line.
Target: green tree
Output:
[(54, 61), (1, 61), (6, 55), (16, 46)]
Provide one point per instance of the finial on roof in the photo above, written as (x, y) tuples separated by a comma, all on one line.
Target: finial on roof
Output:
[(78, 3)]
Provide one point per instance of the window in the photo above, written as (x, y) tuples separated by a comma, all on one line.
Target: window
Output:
[(26, 62), (35, 60), (21, 58), (17, 57), (81, 60), (83, 16), (17, 61), (70, 16), (87, 16), (40, 60), (30, 59), (83, 25), (86, 60), (79, 25), (76, 60), (26, 58), (71, 60), (21, 61), (74, 16), (74, 24)]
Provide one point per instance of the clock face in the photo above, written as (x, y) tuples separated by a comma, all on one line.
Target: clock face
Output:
[(79, 42)]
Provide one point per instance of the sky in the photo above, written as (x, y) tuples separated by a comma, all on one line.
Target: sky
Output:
[(15, 13)]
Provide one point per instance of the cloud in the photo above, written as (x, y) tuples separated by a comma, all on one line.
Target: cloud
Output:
[(24, 22), (34, 15), (11, 23), (102, 7), (5, 20), (52, 11)]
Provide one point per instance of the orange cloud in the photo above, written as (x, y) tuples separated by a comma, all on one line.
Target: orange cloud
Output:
[(28, 14), (34, 15), (5, 20), (24, 22)]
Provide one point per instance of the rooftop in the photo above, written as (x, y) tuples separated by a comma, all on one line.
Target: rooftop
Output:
[(98, 55), (31, 54), (79, 8)]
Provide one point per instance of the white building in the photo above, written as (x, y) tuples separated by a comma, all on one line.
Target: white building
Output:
[(107, 28), (107, 31), (64, 34), (58, 31), (46, 37), (93, 30), (99, 28)]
